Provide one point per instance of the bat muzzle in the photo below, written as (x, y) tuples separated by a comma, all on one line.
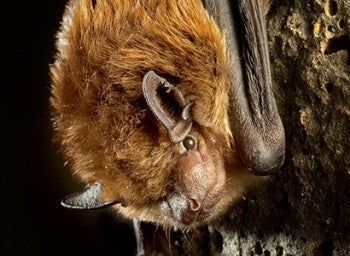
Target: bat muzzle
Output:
[(187, 211)]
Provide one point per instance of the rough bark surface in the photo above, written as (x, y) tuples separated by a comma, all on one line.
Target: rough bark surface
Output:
[(305, 209)]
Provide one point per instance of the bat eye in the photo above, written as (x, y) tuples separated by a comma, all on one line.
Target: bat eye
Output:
[(189, 143)]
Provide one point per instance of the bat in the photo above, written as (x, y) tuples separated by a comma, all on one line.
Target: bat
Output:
[(164, 109)]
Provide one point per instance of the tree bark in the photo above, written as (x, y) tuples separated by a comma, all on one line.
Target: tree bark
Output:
[(304, 210)]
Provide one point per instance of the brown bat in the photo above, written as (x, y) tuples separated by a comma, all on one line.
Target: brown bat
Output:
[(164, 108)]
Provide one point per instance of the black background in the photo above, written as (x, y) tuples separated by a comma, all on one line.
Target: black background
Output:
[(33, 179)]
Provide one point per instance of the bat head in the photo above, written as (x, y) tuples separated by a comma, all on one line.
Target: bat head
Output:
[(155, 144), (198, 173), (190, 189)]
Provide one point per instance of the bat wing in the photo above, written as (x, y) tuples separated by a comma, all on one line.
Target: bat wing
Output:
[(88, 199), (255, 122)]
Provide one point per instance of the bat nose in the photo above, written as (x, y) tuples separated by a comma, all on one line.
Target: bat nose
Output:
[(192, 212), (194, 204)]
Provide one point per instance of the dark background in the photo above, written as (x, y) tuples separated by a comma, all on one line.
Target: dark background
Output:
[(33, 178)]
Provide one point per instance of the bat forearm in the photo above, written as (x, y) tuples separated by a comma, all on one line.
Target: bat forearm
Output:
[(256, 124)]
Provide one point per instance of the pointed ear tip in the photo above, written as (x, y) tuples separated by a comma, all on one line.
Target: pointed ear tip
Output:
[(149, 73), (150, 84), (146, 80)]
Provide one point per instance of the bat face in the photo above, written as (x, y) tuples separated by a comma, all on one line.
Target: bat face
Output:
[(198, 174), (142, 106)]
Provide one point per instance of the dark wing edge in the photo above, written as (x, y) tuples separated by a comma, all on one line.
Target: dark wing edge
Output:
[(256, 125)]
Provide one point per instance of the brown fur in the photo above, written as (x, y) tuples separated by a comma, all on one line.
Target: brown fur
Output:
[(102, 121)]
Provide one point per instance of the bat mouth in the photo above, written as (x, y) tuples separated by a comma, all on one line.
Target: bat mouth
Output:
[(188, 211)]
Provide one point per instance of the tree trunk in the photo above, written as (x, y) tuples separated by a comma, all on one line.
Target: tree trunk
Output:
[(305, 209)]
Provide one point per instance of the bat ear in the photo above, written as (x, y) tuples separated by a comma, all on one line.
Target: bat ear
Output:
[(89, 199), (177, 126)]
